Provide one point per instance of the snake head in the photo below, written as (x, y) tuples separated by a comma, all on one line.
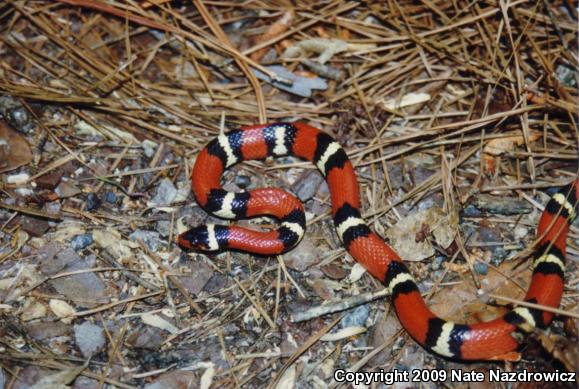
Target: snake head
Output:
[(196, 238)]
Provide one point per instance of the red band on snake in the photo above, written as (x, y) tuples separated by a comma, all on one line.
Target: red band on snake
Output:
[(491, 340)]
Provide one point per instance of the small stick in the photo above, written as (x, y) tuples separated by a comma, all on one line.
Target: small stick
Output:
[(337, 305)]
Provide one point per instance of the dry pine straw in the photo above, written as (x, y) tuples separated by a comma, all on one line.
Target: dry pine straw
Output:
[(490, 70)]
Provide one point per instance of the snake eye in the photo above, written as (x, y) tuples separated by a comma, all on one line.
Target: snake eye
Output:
[(195, 238)]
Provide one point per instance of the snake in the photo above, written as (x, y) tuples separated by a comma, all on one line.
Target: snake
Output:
[(498, 339)]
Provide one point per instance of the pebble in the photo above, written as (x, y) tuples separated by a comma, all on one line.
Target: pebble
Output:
[(20, 119), (242, 181), (303, 256), (110, 197), (192, 215), (79, 242), (183, 191), (472, 211), (566, 76), (15, 114), (200, 274), (356, 318), (499, 254), (17, 179), (49, 180), (164, 228), (437, 263), (52, 258), (89, 338), (86, 289), (481, 268), (151, 238), (147, 338), (24, 192), (165, 193), (93, 202), (52, 207), (147, 177), (149, 148), (66, 189), (307, 185), (520, 232), (423, 287), (34, 226)]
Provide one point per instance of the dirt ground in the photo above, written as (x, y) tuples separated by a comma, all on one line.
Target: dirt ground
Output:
[(460, 118)]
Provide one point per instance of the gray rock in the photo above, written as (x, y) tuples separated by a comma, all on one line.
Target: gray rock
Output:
[(307, 185), (175, 379), (2, 379), (79, 242), (85, 289), (356, 318), (301, 86), (151, 238), (46, 330), (165, 193), (242, 181), (90, 338), (303, 256), (164, 228)]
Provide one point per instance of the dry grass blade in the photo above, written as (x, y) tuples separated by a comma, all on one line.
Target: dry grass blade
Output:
[(240, 61)]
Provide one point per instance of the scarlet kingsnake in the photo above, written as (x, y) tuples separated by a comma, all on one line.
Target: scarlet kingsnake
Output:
[(490, 340)]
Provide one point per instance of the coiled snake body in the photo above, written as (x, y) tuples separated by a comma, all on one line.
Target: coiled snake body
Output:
[(490, 340)]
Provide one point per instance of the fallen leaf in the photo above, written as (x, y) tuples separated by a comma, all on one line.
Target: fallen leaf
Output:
[(288, 379), (356, 273), (344, 333), (62, 309), (207, 377), (158, 322), (32, 309), (322, 289), (280, 26), (60, 380), (406, 100), (464, 303), (14, 149), (327, 48), (111, 240), (562, 348), (496, 147), (499, 146), (404, 236)]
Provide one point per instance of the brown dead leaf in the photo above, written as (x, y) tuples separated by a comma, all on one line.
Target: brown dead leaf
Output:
[(279, 27), (460, 302), (322, 289), (14, 149), (175, 379), (334, 272), (59, 380), (496, 147), (562, 348), (502, 145), (408, 236)]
